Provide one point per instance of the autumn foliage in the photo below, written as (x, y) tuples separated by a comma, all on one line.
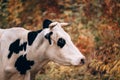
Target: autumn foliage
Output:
[(95, 30)]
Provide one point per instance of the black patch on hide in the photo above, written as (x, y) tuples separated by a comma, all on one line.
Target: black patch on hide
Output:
[(32, 36), (48, 37), (22, 64), (15, 47)]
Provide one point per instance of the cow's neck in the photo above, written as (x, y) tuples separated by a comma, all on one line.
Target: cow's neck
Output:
[(36, 51), (34, 56)]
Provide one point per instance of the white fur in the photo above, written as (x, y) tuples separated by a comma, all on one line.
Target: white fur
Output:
[(40, 51)]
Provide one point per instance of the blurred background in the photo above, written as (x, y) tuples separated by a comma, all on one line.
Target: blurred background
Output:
[(95, 30)]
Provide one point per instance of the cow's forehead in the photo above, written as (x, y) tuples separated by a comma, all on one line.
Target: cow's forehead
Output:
[(59, 31)]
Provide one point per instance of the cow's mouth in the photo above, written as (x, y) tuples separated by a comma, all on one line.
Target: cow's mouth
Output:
[(62, 62)]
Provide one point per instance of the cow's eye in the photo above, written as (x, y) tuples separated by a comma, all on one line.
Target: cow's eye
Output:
[(61, 42)]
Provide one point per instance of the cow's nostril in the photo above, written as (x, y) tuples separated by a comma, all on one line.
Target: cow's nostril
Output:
[(82, 61)]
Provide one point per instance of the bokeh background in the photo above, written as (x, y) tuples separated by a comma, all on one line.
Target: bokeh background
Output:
[(94, 29)]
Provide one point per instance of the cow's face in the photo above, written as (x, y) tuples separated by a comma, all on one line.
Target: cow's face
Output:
[(61, 49)]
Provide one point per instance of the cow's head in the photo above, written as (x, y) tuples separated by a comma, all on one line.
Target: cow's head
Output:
[(61, 49)]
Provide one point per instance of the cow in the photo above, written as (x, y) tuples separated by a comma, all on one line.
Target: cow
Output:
[(23, 52)]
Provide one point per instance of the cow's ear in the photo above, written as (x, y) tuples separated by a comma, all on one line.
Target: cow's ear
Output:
[(46, 23), (48, 37)]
